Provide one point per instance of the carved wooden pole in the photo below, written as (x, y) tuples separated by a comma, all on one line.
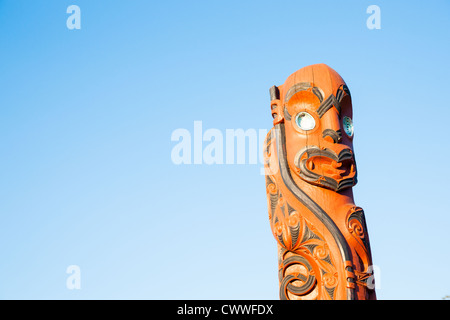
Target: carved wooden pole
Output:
[(323, 244)]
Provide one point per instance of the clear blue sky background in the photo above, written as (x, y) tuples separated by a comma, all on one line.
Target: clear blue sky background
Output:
[(86, 118)]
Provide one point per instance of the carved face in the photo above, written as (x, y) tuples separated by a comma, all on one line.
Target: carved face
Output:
[(315, 105)]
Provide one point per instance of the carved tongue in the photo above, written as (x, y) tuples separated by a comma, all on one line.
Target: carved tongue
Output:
[(332, 170), (336, 165)]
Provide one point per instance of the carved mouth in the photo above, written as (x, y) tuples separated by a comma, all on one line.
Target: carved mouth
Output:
[(327, 169)]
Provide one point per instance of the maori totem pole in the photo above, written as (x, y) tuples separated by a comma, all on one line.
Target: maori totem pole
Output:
[(323, 244)]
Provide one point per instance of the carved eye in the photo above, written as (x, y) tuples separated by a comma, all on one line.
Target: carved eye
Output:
[(305, 121), (348, 126)]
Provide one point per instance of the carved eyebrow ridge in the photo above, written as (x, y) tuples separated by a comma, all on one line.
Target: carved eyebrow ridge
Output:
[(302, 86), (328, 104), (333, 101)]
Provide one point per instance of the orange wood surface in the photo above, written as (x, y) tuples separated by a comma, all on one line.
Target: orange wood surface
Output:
[(324, 251)]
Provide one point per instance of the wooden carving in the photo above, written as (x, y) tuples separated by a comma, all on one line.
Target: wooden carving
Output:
[(323, 244)]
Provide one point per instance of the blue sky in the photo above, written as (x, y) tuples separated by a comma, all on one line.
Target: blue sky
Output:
[(87, 116)]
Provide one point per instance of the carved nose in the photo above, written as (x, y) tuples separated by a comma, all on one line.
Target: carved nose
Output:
[(332, 135), (332, 128)]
